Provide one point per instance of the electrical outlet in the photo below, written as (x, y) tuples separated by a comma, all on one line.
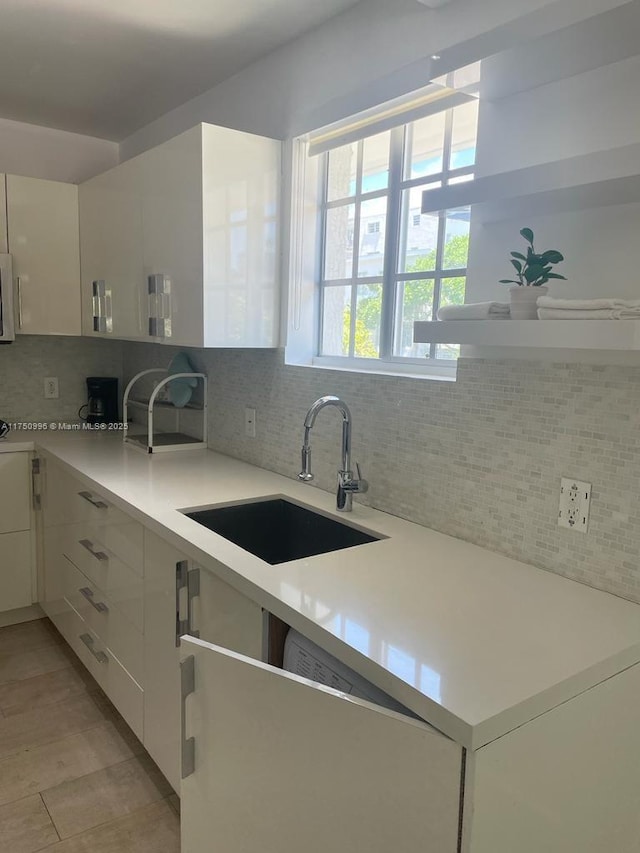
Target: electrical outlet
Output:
[(51, 387), (250, 423), (575, 501)]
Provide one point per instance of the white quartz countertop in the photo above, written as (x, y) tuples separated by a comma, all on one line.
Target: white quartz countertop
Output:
[(474, 642), (15, 442)]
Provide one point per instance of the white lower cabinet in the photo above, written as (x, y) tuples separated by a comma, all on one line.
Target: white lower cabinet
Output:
[(181, 599), (284, 764), (93, 586), (16, 537)]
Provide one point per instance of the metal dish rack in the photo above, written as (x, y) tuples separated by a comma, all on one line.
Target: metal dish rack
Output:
[(157, 442)]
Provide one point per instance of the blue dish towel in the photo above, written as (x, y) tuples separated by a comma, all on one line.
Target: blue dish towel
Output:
[(180, 390)]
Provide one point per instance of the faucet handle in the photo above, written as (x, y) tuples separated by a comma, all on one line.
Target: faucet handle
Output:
[(305, 475), (363, 485)]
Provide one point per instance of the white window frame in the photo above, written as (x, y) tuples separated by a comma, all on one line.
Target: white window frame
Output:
[(392, 280), (305, 184)]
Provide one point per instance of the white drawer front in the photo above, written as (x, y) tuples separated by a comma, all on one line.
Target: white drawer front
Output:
[(116, 682), (99, 612), (124, 586), (67, 500)]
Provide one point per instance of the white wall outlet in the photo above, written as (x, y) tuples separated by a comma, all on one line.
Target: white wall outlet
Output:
[(250, 423), (575, 500), (51, 387)]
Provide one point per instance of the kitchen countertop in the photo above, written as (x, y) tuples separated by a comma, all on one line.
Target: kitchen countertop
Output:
[(474, 642), (16, 442)]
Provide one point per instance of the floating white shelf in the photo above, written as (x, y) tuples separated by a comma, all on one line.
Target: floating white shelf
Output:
[(550, 334), (600, 179)]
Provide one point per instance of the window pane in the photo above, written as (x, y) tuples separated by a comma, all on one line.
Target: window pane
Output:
[(414, 302), (338, 253), (336, 320), (448, 352), (368, 313), (456, 239), (373, 226), (419, 235), (343, 165), (425, 144), (463, 138), (375, 162), (452, 290)]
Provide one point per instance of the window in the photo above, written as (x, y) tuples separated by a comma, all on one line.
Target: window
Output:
[(383, 264)]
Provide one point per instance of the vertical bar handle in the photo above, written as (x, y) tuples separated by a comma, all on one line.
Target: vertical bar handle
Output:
[(19, 292), (182, 580), (193, 592), (188, 745), (35, 494)]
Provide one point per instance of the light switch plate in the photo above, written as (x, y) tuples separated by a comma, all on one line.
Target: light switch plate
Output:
[(575, 503)]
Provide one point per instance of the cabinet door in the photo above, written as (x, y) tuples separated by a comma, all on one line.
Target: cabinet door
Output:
[(281, 763), (3, 214), (111, 244), (212, 608), (15, 501), (241, 215), (173, 238), (43, 234), (16, 588)]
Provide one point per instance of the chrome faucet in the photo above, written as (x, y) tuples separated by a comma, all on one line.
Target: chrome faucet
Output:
[(347, 485)]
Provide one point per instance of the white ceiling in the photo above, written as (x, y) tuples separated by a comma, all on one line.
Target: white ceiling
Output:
[(107, 67)]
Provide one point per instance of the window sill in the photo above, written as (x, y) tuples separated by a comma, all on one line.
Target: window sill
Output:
[(374, 367)]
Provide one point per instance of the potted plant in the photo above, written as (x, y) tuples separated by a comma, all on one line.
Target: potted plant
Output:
[(533, 271)]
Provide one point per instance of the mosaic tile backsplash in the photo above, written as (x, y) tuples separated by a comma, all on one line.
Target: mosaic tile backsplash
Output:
[(480, 459), (25, 363)]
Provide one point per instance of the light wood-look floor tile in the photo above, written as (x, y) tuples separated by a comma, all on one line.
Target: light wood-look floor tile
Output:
[(16, 666), (25, 826), (43, 725), (27, 636), (44, 767), (153, 829), (16, 697), (105, 795)]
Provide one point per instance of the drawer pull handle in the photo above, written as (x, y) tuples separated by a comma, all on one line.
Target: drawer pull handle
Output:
[(98, 504), (88, 545), (100, 606), (87, 639)]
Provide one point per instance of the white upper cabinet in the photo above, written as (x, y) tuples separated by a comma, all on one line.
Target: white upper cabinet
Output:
[(194, 223), (42, 229), (111, 253)]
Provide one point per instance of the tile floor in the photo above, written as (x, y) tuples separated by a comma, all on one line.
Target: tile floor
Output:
[(73, 777)]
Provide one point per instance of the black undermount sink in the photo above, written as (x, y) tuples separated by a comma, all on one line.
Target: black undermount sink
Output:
[(277, 530)]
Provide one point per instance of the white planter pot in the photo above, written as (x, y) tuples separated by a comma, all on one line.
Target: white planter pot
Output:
[(523, 302)]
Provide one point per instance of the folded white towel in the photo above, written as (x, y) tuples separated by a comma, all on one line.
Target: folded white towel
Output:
[(475, 311), (595, 314), (586, 304)]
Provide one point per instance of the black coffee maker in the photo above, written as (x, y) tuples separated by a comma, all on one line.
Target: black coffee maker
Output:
[(102, 400)]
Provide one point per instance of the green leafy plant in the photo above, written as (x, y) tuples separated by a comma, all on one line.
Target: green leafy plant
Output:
[(533, 269)]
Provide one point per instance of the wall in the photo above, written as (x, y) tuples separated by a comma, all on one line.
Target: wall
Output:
[(583, 114), (373, 52), (25, 363), (41, 152), (480, 459)]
